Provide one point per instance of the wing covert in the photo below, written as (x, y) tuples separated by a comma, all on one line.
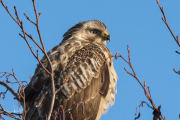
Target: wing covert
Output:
[(82, 66)]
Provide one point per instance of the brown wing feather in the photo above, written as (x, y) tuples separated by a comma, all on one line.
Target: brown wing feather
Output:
[(83, 64)]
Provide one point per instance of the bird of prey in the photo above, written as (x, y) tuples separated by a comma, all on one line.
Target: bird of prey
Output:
[(84, 64)]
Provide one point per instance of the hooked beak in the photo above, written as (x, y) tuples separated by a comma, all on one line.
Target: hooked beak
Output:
[(107, 37)]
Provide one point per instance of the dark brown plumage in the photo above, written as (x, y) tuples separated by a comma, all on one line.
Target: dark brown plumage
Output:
[(83, 58)]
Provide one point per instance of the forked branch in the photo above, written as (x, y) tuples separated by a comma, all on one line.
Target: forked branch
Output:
[(165, 21), (146, 88), (7, 75), (20, 96), (50, 70), (10, 89), (4, 112)]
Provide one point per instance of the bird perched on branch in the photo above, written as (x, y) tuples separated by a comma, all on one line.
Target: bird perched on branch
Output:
[(84, 64)]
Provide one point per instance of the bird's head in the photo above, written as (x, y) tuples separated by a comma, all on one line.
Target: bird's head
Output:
[(92, 30)]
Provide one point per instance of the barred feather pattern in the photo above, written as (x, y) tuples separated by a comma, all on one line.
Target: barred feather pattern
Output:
[(79, 61)]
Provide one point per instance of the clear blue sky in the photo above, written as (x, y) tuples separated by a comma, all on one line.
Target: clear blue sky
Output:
[(136, 23)]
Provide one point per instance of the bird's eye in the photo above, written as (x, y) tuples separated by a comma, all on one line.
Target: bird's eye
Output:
[(95, 31)]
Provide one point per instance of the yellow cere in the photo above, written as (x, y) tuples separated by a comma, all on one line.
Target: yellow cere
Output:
[(106, 33)]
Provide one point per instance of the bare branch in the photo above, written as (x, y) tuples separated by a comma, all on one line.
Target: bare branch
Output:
[(140, 108), (18, 21), (146, 90), (178, 72), (9, 12), (3, 93), (1, 116), (51, 68), (78, 104), (10, 89), (24, 102), (30, 36), (59, 113), (61, 86), (177, 52), (37, 24), (8, 75), (50, 72), (18, 95), (165, 21), (3, 111), (29, 19), (24, 36)]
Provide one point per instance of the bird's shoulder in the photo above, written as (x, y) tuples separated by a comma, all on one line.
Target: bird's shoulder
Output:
[(73, 52)]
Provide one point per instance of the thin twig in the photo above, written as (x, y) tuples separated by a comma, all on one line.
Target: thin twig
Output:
[(50, 64), (30, 36), (24, 103), (165, 21), (3, 111), (29, 19), (177, 52), (4, 94), (61, 86), (83, 106), (58, 113), (10, 74), (18, 95), (1, 116), (146, 90), (18, 22), (178, 72), (50, 71), (37, 25), (142, 106), (9, 12), (36, 56), (15, 113), (10, 89)]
